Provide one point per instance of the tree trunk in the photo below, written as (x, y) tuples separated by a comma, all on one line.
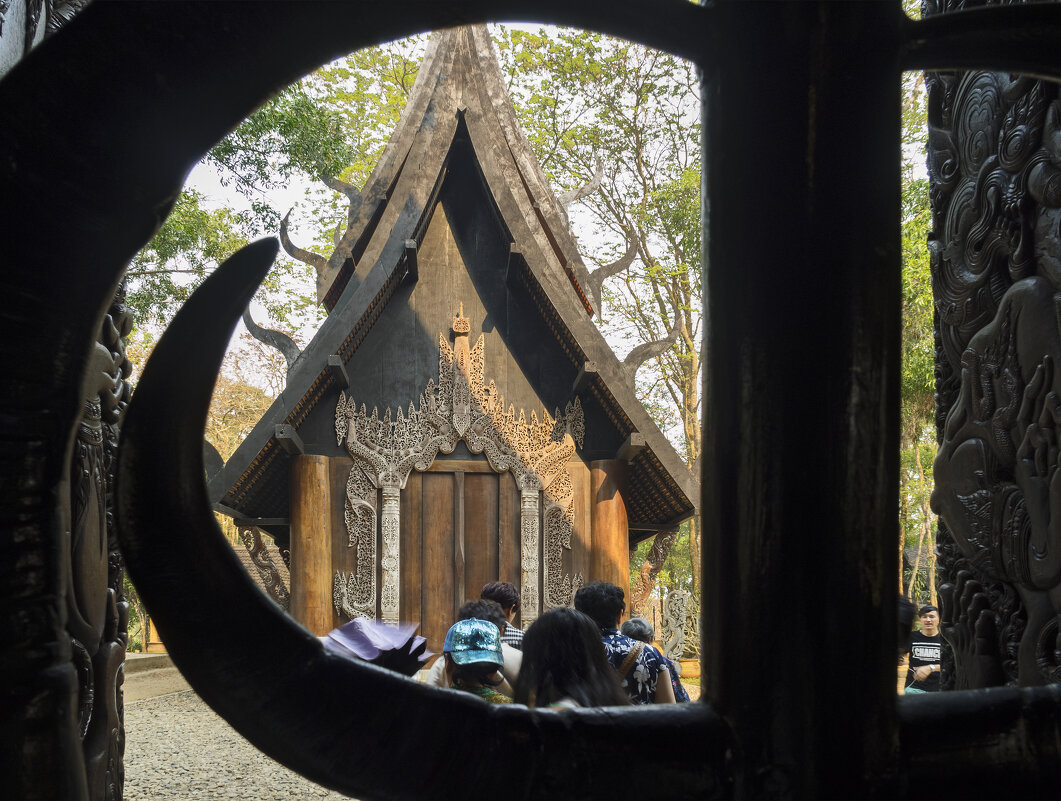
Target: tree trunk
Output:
[(694, 553), (904, 510), (932, 570), (926, 522)]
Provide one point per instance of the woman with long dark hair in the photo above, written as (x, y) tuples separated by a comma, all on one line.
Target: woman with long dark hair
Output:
[(564, 664)]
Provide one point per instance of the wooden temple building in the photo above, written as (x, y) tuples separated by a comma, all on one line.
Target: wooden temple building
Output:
[(458, 418)]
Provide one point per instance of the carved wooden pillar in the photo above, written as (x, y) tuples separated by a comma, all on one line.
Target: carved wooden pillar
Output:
[(610, 560), (311, 543)]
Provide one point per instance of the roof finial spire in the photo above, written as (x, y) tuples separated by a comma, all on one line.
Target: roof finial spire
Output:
[(461, 326)]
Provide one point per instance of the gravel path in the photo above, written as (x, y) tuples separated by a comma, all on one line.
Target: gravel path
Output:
[(177, 747)]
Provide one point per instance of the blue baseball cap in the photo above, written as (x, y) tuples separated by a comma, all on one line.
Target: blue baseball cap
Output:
[(474, 640)]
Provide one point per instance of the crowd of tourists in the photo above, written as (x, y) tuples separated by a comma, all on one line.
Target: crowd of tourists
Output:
[(567, 658)]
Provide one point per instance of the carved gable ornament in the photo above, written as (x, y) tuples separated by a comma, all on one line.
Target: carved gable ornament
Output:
[(459, 407)]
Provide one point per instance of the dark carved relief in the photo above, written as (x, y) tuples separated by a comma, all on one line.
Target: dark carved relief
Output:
[(34, 9), (63, 11), (995, 170), (97, 613)]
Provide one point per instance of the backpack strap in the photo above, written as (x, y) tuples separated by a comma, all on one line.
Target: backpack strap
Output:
[(631, 659)]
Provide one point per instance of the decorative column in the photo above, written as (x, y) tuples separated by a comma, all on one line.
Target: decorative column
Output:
[(610, 554), (530, 547), (311, 543), (390, 563)]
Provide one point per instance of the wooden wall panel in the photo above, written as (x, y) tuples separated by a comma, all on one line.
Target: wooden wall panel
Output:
[(438, 539), (459, 588), (582, 538), (342, 553), (508, 557), (480, 531), (412, 572)]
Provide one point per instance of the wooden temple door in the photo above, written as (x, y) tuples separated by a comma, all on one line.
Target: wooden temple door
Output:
[(460, 529)]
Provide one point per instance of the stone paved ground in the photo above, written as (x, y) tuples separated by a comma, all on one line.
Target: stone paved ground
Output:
[(176, 747)]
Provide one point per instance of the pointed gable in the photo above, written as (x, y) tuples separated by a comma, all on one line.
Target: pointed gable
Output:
[(457, 211)]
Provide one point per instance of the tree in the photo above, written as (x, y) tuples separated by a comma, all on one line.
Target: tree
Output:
[(624, 119), (918, 431), (296, 136)]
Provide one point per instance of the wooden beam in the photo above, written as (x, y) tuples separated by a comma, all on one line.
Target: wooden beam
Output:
[(586, 374), (459, 465), (255, 522), (337, 369), (516, 263), (289, 440), (412, 267), (653, 527), (634, 444)]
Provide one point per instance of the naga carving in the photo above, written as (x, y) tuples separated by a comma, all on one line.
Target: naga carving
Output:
[(251, 537), (995, 170), (461, 406), (675, 617)]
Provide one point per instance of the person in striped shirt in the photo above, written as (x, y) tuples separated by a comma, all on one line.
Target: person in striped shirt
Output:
[(506, 594)]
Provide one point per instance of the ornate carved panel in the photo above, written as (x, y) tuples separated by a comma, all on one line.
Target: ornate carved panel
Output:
[(275, 587), (995, 173), (97, 613), (460, 407), (675, 616)]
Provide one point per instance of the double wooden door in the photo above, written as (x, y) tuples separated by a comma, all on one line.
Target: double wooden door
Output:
[(460, 529)]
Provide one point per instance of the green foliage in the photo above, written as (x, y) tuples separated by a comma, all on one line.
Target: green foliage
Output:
[(332, 123), (367, 92), (190, 243), (137, 616), (676, 573), (588, 102), (917, 433), (297, 132)]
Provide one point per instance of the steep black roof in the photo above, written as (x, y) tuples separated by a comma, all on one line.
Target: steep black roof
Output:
[(459, 118)]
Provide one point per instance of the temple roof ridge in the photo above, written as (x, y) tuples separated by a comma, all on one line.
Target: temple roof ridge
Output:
[(460, 79)]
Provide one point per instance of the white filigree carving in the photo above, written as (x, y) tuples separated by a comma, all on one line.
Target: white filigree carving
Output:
[(263, 563), (390, 563), (675, 616), (528, 530), (461, 406)]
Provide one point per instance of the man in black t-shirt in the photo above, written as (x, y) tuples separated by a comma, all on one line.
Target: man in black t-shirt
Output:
[(926, 653)]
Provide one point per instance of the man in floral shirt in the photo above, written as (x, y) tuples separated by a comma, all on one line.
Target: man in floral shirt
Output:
[(642, 671)]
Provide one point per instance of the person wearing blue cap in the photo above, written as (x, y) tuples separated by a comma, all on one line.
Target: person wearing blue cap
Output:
[(473, 658)]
